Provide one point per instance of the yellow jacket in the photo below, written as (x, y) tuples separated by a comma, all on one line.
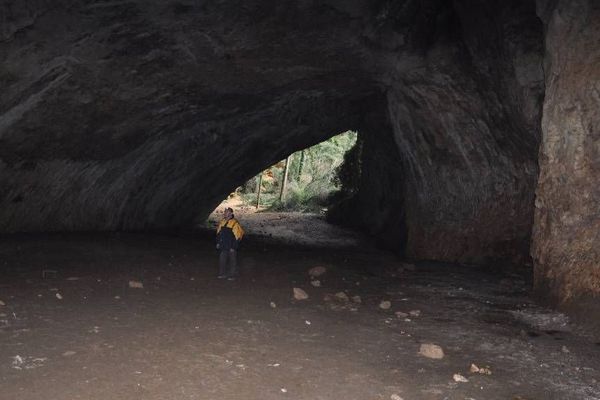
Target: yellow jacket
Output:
[(232, 224)]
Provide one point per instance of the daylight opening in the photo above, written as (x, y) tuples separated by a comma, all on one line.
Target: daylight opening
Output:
[(303, 182), (296, 191)]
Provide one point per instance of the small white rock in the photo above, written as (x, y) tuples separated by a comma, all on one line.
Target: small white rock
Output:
[(485, 371), (395, 397), (459, 378), (273, 305), (2, 304), (341, 296), (317, 271), (480, 370), (385, 305), (59, 296), (415, 313), (431, 350), (316, 283), (136, 285), (300, 294), (357, 299)]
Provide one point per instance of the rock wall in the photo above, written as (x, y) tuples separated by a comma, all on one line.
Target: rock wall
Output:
[(464, 84), (144, 114), (566, 240), (372, 197)]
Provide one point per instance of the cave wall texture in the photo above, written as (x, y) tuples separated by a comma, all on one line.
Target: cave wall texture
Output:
[(464, 88), (143, 114), (566, 241)]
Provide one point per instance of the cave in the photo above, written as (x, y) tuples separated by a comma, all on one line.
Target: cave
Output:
[(478, 125)]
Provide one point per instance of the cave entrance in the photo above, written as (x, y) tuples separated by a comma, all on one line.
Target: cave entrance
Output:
[(288, 200)]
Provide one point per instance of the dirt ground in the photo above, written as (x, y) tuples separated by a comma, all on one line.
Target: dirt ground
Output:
[(293, 228), (71, 327)]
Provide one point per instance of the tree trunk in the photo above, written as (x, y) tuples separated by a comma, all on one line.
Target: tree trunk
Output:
[(286, 170), (300, 166), (258, 189)]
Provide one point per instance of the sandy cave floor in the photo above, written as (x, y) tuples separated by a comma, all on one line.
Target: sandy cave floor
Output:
[(187, 335)]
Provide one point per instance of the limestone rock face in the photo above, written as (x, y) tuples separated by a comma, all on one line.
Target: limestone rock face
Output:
[(566, 241), (145, 114), (464, 111)]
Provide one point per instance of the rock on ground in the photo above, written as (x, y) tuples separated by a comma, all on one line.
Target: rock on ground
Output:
[(136, 285), (385, 305), (431, 350), (315, 272), (300, 294)]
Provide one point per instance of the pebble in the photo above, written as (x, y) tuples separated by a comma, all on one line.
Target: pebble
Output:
[(430, 350), (459, 378), (401, 314), (136, 285), (342, 296), (357, 299), (300, 294), (2, 303), (273, 305), (69, 353), (316, 283), (477, 370), (59, 296), (385, 305), (395, 397), (317, 271), (415, 313)]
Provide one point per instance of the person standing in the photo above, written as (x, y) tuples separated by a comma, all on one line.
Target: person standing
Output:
[(229, 235)]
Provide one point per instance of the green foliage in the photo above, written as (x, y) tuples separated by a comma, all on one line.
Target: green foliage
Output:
[(312, 177), (347, 174)]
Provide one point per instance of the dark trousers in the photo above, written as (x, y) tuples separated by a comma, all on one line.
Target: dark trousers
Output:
[(228, 257)]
